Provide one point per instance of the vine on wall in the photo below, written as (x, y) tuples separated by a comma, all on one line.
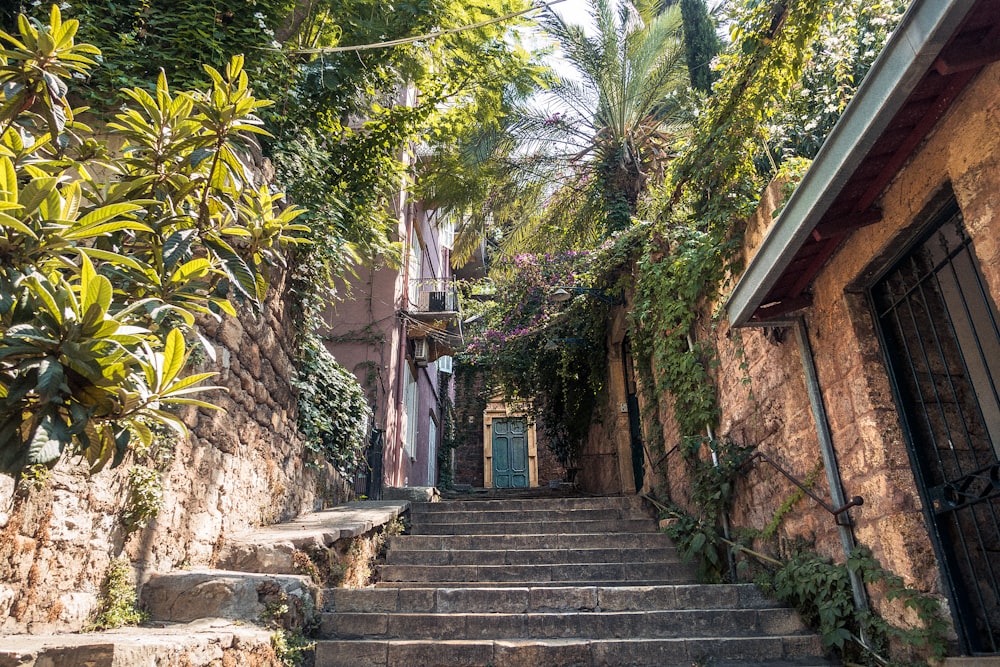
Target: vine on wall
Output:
[(692, 248)]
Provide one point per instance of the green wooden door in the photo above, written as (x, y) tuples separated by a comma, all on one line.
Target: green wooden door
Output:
[(510, 453)]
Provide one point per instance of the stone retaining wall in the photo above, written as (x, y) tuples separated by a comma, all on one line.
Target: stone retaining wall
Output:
[(241, 467)]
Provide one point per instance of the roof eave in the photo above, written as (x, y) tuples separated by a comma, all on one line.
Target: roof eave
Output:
[(910, 53)]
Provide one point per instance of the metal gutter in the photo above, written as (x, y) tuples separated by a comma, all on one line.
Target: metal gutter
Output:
[(921, 35)]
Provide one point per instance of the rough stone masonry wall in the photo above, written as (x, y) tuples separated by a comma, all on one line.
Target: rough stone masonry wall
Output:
[(241, 467), (763, 402), (965, 151)]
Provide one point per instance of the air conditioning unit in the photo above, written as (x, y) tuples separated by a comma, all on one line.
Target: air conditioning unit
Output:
[(421, 349)]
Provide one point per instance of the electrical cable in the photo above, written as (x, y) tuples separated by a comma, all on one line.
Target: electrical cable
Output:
[(419, 38)]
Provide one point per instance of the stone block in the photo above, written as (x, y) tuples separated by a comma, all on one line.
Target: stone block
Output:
[(636, 598), (639, 653), (563, 598), (426, 626), (351, 654), (698, 596), (273, 558), (186, 596), (349, 625), (566, 653), (470, 600), (440, 654), (361, 599), (416, 599)]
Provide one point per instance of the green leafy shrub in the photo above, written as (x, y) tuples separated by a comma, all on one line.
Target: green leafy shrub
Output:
[(145, 497), (118, 598), (106, 260), (334, 414)]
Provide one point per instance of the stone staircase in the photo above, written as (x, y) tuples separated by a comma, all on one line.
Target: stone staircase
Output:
[(551, 582)]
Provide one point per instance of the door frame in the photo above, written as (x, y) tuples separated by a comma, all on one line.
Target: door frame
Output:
[(497, 408)]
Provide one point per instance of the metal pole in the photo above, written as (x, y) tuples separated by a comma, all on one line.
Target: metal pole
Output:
[(829, 459), (715, 461)]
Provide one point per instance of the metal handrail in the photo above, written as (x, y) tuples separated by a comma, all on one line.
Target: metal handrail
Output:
[(837, 512)]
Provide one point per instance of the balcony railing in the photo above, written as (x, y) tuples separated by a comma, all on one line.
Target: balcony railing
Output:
[(434, 297)]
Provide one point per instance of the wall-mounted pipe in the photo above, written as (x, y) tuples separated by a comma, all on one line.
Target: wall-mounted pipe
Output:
[(829, 458), (715, 462)]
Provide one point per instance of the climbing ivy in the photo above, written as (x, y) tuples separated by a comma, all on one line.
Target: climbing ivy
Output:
[(334, 415)]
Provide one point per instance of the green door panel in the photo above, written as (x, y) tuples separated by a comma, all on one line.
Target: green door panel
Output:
[(510, 453)]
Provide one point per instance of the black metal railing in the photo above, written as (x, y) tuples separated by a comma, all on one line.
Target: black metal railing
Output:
[(367, 478), (838, 512)]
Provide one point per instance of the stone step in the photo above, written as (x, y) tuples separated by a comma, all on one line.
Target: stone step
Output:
[(550, 556), (182, 596), (664, 624), (632, 503), (507, 516), (531, 541), (272, 549), (524, 599), (528, 574), (761, 651), (583, 572), (533, 527), (673, 581)]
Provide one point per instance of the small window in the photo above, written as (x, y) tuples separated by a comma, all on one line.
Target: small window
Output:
[(446, 233), (444, 364)]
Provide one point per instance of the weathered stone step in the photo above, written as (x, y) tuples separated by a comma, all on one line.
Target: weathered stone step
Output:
[(533, 527), (582, 572), (669, 581), (272, 549), (524, 599), (527, 515), (605, 502), (760, 651), (398, 556), (531, 541), (664, 624)]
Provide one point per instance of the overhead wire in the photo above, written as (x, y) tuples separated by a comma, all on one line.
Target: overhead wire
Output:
[(419, 38)]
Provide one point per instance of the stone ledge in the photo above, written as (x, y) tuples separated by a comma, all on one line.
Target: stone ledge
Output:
[(208, 641), (272, 548)]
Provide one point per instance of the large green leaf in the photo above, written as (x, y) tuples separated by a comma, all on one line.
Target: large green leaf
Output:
[(50, 377), (98, 293), (101, 228), (35, 192), (8, 179), (242, 277), (176, 247), (173, 358), (47, 442), (105, 213)]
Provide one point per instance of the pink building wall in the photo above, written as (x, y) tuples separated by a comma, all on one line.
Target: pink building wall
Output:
[(367, 333)]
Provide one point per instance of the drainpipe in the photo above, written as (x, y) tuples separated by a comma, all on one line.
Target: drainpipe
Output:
[(829, 459), (715, 462)]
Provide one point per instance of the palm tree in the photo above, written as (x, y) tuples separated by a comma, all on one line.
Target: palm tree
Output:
[(589, 144)]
